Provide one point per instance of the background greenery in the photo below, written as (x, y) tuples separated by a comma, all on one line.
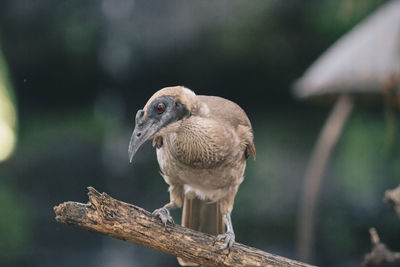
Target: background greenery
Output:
[(81, 69)]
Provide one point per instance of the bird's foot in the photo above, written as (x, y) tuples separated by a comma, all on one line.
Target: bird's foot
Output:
[(228, 238), (163, 214)]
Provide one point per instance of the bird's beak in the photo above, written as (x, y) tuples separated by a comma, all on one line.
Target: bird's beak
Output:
[(144, 130)]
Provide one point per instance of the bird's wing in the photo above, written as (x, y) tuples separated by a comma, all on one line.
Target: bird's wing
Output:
[(226, 110), (232, 114)]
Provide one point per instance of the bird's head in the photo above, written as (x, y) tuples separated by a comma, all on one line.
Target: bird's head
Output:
[(166, 106)]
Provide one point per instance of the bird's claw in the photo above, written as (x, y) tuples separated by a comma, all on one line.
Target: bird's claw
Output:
[(228, 238), (163, 214)]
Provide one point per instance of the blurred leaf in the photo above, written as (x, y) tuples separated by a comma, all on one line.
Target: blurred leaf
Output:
[(8, 116)]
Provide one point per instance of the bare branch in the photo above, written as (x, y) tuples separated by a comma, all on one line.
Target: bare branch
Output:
[(127, 222), (380, 255), (392, 197)]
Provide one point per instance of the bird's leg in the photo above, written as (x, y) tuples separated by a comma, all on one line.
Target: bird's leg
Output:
[(229, 236), (163, 213)]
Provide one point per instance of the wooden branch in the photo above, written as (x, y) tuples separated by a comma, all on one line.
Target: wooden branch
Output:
[(392, 197), (127, 222), (380, 254)]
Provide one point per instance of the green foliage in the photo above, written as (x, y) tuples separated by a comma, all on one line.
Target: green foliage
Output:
[(15, 230), (78, 34), (50, 126), (361, 160), (333, 18)]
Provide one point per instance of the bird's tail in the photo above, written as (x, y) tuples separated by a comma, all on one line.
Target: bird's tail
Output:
[(203, 216)]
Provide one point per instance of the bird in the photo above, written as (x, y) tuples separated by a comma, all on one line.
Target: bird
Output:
[(202, 145)]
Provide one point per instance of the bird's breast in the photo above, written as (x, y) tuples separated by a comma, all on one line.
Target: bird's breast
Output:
[(203, 143), (209, 183), (206, 159)]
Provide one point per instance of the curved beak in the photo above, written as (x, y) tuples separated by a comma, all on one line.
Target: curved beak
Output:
[(144, 130)]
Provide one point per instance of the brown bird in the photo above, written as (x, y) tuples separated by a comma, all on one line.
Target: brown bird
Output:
[(202, 146)]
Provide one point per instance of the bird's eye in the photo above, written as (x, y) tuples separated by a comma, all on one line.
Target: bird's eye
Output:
[(160, 107)]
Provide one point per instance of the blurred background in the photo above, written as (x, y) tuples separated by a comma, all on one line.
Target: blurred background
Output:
[(74, 73)]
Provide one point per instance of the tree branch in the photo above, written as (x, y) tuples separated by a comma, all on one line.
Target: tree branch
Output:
[(380, 256), (130, 223), (392, 197)]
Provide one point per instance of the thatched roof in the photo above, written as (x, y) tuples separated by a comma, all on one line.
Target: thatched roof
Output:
[(365, 60)]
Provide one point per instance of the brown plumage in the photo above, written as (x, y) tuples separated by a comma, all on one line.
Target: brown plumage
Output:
[(202, 146)]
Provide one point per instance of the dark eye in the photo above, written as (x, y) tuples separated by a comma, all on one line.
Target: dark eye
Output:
[(160, 107)]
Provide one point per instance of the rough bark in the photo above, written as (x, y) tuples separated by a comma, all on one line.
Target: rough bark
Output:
[(130, 223)]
